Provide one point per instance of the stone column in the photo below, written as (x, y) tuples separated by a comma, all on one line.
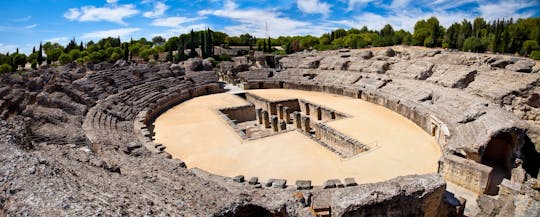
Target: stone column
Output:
[(287, 115), (274, 121), (258, 112), (307, 108), (296, 120), (282, 125), (319, 113), (280, 111), (266, 119), (305, 124)]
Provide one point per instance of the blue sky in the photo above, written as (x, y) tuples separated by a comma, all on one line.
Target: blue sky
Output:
[(25, 23)]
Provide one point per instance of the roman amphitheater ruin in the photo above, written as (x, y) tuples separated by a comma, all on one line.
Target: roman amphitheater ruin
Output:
[(395, 131)]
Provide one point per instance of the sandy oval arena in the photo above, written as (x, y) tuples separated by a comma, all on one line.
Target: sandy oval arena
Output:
[(194, 132)]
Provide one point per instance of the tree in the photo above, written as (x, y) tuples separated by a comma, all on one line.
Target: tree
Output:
[(158, 40), (40, 54), (529, 46), (192, 52), (170, 54), (19, 59), (126, 53), (473, 44), (65, 59), (75, 54), (5, 68), (535, 55), (387, 35), (115, 56)]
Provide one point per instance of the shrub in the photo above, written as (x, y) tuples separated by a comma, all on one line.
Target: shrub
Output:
[(115, 57), (535, 54), (224, 57), (530, 45), (5, 68), (65, 59), (34, 64), (473, 44)]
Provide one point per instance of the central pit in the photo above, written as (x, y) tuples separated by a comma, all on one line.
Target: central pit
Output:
[(197, 132)]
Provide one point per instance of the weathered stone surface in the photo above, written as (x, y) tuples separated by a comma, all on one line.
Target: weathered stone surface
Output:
[(279, 183), (350, 182), (239, 178), (303, 184), (253, 180), (521, 66)]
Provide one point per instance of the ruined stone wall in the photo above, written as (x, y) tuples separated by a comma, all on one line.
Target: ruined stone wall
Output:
[(337, 141), (318, 112), (466, 173), (258, 102), (240, 114)]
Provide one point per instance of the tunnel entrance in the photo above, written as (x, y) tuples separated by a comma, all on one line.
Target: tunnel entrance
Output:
[(249, 210), (531, 157), (498, 155)]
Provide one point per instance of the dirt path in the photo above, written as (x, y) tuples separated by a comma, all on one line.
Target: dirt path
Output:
[(193, 132)]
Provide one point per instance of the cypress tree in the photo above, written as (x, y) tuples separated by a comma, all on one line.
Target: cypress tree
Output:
[(33, 49), (81, 47), (209, 43), (269, 45), (202, 45), (40, 54), (264, 46), (192, 53), (126, 53), (170, 55)]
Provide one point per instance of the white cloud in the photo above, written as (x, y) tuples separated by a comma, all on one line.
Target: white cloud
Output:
[(30, 26), (399, 3), (506, 9), (173, 21), (255, 21), (22, 19), (181, 30), (159, 10), (115, 13), (404, 19), (59, 40), (122, 33), (313, 7), (354, 3), (112, 1), (4, 48)]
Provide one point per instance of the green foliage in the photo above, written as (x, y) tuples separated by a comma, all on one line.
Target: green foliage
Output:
[(75, 54), (529, 46), (224, 57), (19, 59), (473, 44), (53, 54), (535, 54), (5, 68), (158, 40), (115, 57), (33, 64), (65, 59)]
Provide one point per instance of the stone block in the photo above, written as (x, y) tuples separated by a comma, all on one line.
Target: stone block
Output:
[(303, 184), (269, 183), (350, 182), (253, 180), (332, 183), (239, 178), (279, 183)]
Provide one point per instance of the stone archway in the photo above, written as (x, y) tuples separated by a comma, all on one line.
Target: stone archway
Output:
[(498, 154)]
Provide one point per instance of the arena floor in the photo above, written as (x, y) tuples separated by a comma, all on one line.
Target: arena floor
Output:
[(193, 132)]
